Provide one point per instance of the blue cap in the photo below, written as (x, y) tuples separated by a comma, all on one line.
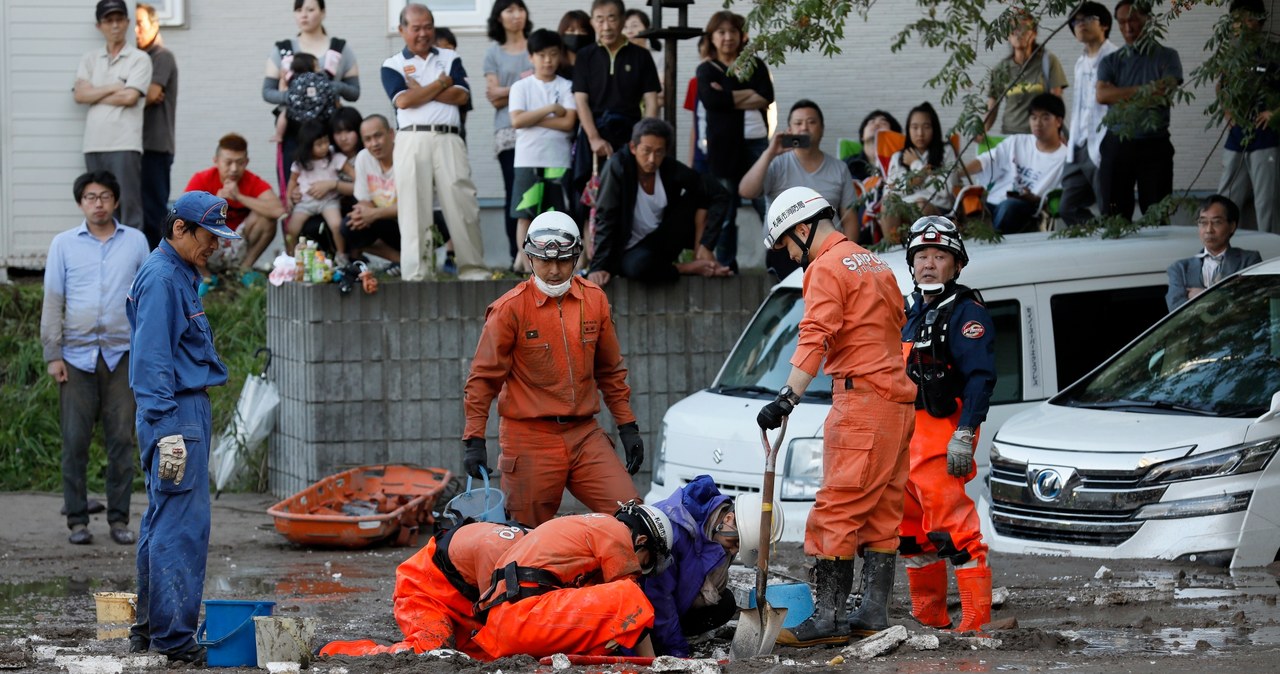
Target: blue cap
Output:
[(205, 210)]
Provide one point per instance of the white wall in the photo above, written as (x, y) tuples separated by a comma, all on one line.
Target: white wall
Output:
[(223, 50)]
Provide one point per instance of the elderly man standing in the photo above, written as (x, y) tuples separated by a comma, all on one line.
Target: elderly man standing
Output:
[(173, 366), (372, 226), (428, 86), (113, 81), (86, 342)]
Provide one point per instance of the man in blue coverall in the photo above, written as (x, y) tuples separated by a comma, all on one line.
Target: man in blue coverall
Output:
[(173, 364)]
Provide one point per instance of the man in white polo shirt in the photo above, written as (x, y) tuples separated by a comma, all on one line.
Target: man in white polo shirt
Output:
[(427, 86), (113, 81)]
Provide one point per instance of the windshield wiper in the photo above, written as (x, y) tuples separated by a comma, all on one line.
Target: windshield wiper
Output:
[(731, 390), (1162, 405)]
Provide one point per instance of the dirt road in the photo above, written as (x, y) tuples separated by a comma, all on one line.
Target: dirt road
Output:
[(1136, 617)]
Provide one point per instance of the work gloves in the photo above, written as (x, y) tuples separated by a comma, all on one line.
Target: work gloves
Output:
[(960, 452), (632, 445), (770, 416), (477, 457), (173, 458)]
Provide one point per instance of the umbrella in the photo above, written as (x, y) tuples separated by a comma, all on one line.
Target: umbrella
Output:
[(589, 195), (254, 419)]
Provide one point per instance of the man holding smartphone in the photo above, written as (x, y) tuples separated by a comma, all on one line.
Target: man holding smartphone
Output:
[(796, 159), (1023, 168)]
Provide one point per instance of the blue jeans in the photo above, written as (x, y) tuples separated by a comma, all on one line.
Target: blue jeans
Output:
[(1014, 215)]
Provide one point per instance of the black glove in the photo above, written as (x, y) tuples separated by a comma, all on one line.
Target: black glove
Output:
[(477, 457), (632, 445), (770, 416)]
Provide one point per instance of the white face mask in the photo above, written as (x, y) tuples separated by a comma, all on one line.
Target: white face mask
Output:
[(552, 290), (932, 288)]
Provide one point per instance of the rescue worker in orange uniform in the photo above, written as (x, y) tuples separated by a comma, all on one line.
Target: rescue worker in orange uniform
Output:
[(852, 326), (547, 352), (949, 343), (436, 591), (571, 586)]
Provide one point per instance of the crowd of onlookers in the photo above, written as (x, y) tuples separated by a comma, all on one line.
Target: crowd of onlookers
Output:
[(575, 129)]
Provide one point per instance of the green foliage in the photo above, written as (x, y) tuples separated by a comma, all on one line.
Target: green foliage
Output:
[(30, 439)]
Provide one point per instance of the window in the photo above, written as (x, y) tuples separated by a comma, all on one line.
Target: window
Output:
[(1006, 316), (448, 13), (1089, 327)]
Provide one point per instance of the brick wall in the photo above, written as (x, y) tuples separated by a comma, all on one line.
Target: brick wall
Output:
[(369, 379)]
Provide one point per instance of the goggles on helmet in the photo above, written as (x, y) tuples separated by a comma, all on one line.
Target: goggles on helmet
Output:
[(933, 222), (552, 244)]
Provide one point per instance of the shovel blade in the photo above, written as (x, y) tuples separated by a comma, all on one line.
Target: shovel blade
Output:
[(757, 631)]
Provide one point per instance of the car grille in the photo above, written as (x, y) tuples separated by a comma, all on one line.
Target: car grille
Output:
[(1095, 507)]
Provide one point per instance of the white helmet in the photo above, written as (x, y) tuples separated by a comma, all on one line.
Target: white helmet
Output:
[(746, 508), (657, 526), (553, 236), (794, 206), (935, 231)]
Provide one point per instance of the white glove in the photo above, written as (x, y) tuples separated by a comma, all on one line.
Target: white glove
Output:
[(960, 452), (173, 458)]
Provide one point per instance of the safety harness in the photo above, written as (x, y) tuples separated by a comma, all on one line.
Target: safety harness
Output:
[(930, 364), (519, 583)]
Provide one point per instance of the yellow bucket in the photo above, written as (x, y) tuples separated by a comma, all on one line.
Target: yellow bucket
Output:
[(115, 607)]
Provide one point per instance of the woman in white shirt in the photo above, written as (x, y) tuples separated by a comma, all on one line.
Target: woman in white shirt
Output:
[(916, 174)]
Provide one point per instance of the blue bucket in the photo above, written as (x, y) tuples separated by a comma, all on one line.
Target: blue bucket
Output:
[(482, 505), (230, 640), (795, 597)]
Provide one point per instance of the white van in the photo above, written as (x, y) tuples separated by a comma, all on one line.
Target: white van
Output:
[(1165, 451), (1060, 307)]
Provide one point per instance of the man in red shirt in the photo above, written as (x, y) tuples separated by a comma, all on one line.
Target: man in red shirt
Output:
[(252, 207), (852, 326)]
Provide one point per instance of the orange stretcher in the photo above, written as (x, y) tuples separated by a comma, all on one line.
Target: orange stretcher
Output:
[(362, 506)]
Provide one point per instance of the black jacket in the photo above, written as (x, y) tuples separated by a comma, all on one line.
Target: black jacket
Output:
[(616, 205), (726, 150)]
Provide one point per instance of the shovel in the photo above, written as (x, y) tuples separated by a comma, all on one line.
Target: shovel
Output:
[(758, 630)]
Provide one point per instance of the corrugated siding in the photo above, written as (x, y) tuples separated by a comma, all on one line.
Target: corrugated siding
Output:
[(222, 54)]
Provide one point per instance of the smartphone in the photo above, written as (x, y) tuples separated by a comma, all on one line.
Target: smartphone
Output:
[(796, 140)]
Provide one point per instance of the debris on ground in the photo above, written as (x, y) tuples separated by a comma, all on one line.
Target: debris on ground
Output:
[(877, 644), (1103, 573)]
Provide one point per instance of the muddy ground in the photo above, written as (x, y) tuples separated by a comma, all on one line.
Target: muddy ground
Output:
[(1138, 617)]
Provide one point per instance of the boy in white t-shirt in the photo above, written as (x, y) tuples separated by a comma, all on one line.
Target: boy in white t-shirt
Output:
[(1024, 167), (545, 116)]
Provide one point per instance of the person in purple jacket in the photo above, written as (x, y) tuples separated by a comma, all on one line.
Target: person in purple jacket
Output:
[(692, 595)]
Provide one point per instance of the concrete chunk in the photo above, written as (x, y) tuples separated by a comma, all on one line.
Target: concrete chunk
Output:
[(923, 642), (877, 644)]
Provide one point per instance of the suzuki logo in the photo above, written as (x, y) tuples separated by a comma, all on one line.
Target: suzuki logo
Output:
[(1051, 484), (718, 455)]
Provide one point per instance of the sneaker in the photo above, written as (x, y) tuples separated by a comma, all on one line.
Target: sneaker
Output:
[(206, 284), (120, 534), (80, 535), (252, 278), (479, 274), (450, 266), (393, 269)]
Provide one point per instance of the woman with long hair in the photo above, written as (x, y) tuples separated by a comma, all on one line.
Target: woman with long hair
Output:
[(336, 58), (575, 32), (737, 117), (506, 61), (1021, 81), (916, 178)]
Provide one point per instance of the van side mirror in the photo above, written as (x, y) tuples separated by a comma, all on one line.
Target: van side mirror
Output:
[(1273, 412)]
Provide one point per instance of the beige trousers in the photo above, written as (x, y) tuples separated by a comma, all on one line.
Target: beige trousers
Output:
[(425, 163)]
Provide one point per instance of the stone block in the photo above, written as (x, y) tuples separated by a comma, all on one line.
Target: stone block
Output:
[(878, 644)]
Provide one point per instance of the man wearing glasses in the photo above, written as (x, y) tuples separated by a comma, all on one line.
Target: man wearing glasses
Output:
[(949, 345), (1092, 26), (548, 352), (85, 336), (1217, 224)]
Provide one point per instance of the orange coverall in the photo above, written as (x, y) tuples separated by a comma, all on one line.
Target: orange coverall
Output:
[(548, 361), (853, 317), (599, 607), (433, 611)]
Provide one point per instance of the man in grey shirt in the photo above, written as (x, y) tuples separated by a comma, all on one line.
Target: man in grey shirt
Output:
[(157, 123), (796, 159)]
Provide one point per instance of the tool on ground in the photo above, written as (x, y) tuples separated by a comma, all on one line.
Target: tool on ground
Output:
[(758, 630)]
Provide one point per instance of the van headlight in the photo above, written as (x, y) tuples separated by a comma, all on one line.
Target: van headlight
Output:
[(660, 463), (1236, 460), (802, 474)]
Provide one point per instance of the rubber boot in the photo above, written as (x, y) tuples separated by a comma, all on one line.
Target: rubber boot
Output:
[(877, 584), (975, 597), (833, 580), (929, 594)]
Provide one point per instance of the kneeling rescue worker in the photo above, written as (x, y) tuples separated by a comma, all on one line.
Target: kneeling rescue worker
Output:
[(548, 352), (571, 586), (949, 344), (436, 591), (852, 325)]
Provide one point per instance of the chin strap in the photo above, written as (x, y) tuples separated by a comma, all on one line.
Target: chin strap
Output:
[(805, 244)]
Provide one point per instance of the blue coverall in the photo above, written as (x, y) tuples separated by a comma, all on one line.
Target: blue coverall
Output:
[(173, 362)]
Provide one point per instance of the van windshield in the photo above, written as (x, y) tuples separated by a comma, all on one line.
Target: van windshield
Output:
[(1218, 356), (759, 365)]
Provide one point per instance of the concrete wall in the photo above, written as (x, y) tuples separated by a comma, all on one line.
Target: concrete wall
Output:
[(223, 47), (369, 379)]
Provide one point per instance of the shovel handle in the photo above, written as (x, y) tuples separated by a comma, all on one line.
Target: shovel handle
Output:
[(766, 510)]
